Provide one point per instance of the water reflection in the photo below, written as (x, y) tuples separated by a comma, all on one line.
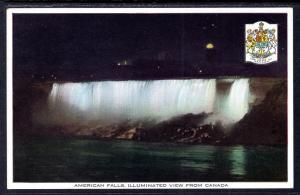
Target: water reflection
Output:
[(195, 159), (237, 158), (127, 161)]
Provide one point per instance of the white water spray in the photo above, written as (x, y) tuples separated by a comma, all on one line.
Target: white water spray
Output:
[(115, 101), (238, 100), (133, 100)]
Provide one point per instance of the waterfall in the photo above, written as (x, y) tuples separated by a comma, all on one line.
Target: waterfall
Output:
[(133, 100), (114, 101), (238, 99)]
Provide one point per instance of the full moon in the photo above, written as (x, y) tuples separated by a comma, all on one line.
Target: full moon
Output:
[(209, 46)]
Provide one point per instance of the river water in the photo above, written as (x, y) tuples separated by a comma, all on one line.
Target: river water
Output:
[(82, 160)]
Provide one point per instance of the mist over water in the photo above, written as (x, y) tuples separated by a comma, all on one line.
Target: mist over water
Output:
[(134, 100)]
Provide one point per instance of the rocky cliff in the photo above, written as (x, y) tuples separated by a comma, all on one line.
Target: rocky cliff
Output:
[(183, 129), (266, 123)]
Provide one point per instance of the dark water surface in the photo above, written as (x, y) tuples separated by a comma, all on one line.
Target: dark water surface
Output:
[(81, 160)]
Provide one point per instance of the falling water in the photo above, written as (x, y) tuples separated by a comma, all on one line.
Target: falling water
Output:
[(119, 100), (238, 99), (113, 101)]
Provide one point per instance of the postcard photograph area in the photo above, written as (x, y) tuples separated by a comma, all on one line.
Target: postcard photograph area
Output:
[(134, 97)]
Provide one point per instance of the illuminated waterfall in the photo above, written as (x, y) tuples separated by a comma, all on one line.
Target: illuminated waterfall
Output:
[(238, 99), (119, 100), (115, 101)]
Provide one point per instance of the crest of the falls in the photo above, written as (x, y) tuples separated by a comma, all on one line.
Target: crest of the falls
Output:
[(133, 100)]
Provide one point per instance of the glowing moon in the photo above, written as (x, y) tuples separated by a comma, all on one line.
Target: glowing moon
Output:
[(209, 46)]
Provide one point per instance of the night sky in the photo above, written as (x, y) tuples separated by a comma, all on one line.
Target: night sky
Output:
[(97, 42)]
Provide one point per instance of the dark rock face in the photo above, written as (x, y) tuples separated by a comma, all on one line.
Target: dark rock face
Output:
[(116, 131), (182, 129), (266, 123)]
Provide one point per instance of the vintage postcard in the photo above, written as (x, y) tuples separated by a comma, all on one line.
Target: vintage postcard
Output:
[(150, 98)]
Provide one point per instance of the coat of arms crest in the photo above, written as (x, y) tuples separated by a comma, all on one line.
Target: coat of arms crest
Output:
[(261, 42)]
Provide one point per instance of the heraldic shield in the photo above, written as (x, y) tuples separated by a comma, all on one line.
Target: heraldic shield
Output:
[(261, 43)]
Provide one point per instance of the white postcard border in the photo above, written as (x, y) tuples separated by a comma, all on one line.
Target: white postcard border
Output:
[(166, 185)]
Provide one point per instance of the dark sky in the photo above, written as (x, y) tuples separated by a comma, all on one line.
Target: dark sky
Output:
[(97, 41)]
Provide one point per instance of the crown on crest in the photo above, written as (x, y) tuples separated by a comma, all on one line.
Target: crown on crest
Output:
[(261, 26)]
